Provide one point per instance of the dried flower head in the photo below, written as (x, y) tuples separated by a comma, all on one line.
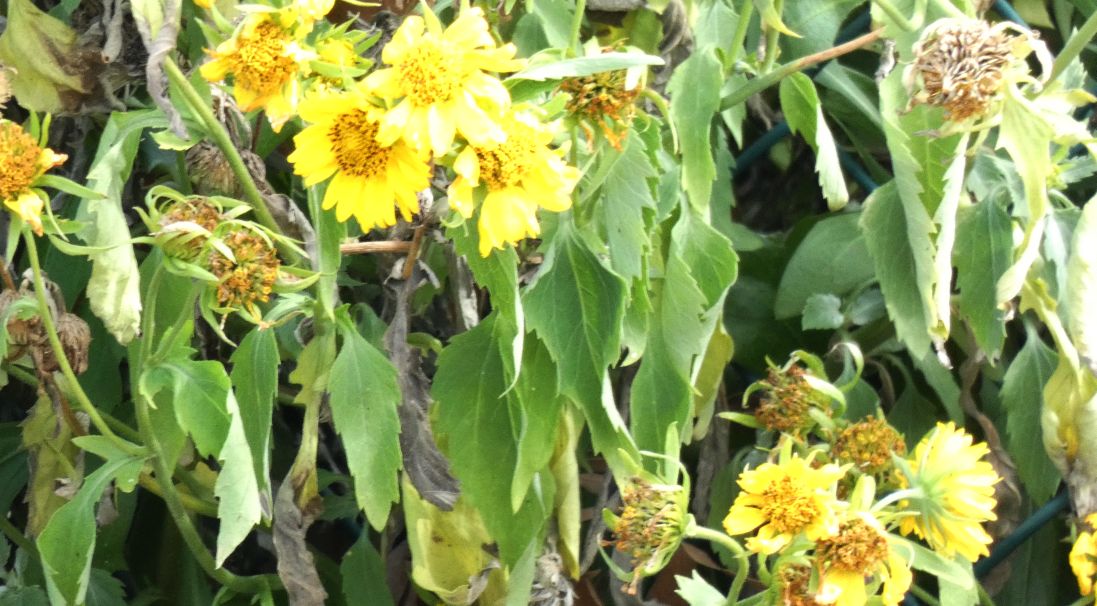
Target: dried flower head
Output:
[(185, 226), (604, 99), (786, 401), (868, 445), (964, 65), (859, 551), (75, 339), (651, 525), (210, 173), (249, 276)]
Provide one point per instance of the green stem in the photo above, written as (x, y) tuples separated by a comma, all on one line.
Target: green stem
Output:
[(894, 14), (984, 597), (924, 595), (773, 37), (576, 26), (761, 83), (16, 536), (746, 11), (1074, 46), (700, 532), (46, 315), (221, 137)]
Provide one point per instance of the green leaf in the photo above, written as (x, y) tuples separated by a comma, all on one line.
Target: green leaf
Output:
[(239, 504), (625, 207), (817, 22), (24, 596), (538, 413), (771, 17), (477, 418), (364, 397), (984, 242), (105, 590), (1081, 295), (255, 378), (1022, 398), (363, 573), (576, 306), (697, 592), (833, 258), (822, 312), (52, 457), (68, 540), (857, 88), (804, 113), (114, 289), (576, 67), (694, 99), (937, 565), (555, 19), (897, 235), (200, 392)]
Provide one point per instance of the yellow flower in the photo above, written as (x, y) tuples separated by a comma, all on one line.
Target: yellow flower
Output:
[(956, 492), (438, 77), (22, 162), (859, 552), (785, 499), (521, 174), (370, 180), (206, 4), (314, 10), (1083, 557), (263, 58)]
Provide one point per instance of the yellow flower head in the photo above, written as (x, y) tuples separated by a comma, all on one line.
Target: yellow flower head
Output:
[(370, 180), (22, 162), (521, 174), (314, 10), (785, 499), (860, 552), (264, 59), (438, 82), (1083, 557), (957, 492)]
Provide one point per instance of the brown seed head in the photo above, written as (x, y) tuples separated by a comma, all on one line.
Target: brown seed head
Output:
[(869, 444), (248, 279), (786, 401)]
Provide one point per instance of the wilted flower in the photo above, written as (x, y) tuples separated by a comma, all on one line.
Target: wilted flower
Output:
[(869, 445), (964, 65), (438, 82), (954, 490), (651, 525), (860, 551), (521, 174), (186, 225), (785, 499), (1083, 557), (604, 99), (247, 278), (787, 400), (22, 163)]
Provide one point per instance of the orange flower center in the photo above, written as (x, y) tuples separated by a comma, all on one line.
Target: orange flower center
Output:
[(260, 63), (353, 138), (429, 75), (858, 547), (507, 163), (251, 277), (19, 156), (788, 505)]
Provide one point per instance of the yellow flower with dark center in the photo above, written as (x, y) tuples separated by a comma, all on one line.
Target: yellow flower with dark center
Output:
[(785, 499), (22, 162), (248, 278), (438, 82), (370, 180), (956, 489), (604, 100), (651, 526), (1083, 557), (859, 552), (868, 445), (964, 65), (263, 59), (521, 174)]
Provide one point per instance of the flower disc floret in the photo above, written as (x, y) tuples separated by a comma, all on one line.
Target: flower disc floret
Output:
[(180, 222), (955, 489), (521, 175), (651, 525), (263, 59), (438, 82), (22, 162), (859, 552), (869, 445), (783, 500), (369, 180), (247, 278)]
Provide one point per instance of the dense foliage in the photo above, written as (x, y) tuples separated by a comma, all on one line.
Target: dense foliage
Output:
[(548, 302)]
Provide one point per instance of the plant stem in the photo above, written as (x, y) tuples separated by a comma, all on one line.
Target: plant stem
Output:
[(221, 137), (746, 11), (1074, 47), (190, 502), (46, 315), (894, 14), (773, 37), (761, 83), (700, 532), (16, 536), (924, 595), (576, 26)]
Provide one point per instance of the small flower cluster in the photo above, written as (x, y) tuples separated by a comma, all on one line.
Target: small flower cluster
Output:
[(436, 98), (24, 160), (604, 100)]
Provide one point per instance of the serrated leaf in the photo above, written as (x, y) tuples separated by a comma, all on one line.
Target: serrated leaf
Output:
[(363, 573), (832, 258), (239, 505), (1081, 295), (697, 592), (364, 397), (625, 199), (822, 312), (817, 23), (898, 241), (984, 244), (694, 99), (478, 423), (538, 416), (804, 113), (200, 392), (1022, 397), (105, 590), (255, 379)]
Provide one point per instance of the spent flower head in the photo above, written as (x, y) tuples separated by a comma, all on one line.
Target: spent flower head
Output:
[(952, 492), (605, 100), (869, 445), (23, 161), (651, 526), (248, 276), (787, 400), (860, 552)]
